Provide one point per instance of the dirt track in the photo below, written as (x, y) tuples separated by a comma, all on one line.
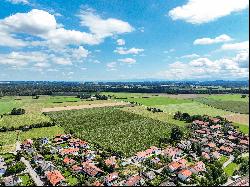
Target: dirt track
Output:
[(79, 107)]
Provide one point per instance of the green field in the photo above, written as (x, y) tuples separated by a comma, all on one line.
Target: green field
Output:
[(193, 108), (113, 128), (162, 116), (8, 139), (229, 97), (228, 105)]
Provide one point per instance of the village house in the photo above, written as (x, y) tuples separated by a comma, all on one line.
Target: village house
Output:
[(68, 161), (47, 166), (111, 178), (141, 156), (44, 141), (12, 181), (184, 174), (149, 175), (198, 167), (111, 162), (27, 144), (173, 166), (55, 177), (174, 153), (133, 181), (91, 169), (69, 151), (76, 168)]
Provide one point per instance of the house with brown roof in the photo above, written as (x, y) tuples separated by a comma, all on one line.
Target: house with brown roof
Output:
[(141, 156), (133, 181), (226, 150), (91, 169), (54, 177)]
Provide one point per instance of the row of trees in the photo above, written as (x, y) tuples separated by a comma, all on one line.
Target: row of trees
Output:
[(27, 127), (154, 109)]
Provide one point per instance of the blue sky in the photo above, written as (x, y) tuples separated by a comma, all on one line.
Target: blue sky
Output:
[(78, 40)]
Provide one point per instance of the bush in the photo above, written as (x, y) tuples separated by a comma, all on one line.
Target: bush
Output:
[(18, 111)]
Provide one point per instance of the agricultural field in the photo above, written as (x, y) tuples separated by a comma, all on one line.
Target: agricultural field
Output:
[(162, 116), (22, 120), (113, 128), (193, 108), (229, 97), (228, 105)]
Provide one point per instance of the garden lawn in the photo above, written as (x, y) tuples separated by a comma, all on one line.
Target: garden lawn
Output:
[(229, 170), (112, 128)]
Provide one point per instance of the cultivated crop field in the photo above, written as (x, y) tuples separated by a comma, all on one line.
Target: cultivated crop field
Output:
[(233, 106), (113, 128)]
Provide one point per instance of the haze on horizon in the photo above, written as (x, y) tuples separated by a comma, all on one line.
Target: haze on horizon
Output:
[(82, 40)]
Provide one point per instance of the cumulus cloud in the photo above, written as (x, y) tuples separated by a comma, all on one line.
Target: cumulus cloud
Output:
[(207, 41), (103, 28), (203, 11), (9, 41), (120, 42), (22, 58), (204, 68), (127, 60), (241, 46), (125, 51)]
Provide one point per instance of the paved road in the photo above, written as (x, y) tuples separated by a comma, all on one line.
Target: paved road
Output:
[(32, 173), (231, 158)]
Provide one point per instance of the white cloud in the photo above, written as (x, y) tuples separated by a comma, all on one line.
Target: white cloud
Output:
[(204, 68), (111, 66), (103, 28), (62, 61), (35, 22), (203, 11), (7, 40), (207, 41), (236, 46), (22, 58), (120, 42), (19, 1), (42, 65), (191, 56), (42, 24), (125, 51), (127, 60)]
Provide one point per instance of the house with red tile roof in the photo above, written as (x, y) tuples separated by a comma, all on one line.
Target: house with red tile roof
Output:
[(172, 152), (97, 183), (68, 161), (54, 177), (173, 166), (111, 178), (69, 151), (141, 156), (226, 150), (133, 181), (111, 162), (91, 169), (198, 167), (244, 142), (184, 174), (76, 168)]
